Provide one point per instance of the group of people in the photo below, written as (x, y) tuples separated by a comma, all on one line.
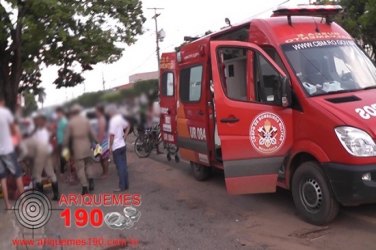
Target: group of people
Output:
[(79, 139), (73, 134)]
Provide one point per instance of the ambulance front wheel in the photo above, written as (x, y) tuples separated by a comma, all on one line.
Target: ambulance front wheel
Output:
[(200, 172), (312, 194)]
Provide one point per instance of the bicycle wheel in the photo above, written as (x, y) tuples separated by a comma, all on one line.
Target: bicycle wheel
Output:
[(142, 147)]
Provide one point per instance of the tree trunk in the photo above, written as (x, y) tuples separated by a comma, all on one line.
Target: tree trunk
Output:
[(6, 87), (12, 68)]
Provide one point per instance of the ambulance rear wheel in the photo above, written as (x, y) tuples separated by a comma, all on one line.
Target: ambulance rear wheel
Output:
[(312, 195), (200, 172)]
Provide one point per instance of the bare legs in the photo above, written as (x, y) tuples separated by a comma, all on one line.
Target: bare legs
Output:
[(20, 188), (5, 193)]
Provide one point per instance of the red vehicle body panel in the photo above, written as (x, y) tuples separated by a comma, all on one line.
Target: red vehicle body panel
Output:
[(194, 124), (309, 133), (168, 97)]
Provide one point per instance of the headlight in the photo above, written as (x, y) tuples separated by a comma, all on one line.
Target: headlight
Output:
[(356, 141)]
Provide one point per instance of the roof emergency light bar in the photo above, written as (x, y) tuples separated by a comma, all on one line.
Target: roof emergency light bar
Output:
[(326, 11)]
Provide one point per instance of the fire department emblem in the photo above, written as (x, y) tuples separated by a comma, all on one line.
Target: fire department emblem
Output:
[(267, 133)]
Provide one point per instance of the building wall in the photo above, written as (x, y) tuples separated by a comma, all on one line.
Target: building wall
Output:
[(143, 76)]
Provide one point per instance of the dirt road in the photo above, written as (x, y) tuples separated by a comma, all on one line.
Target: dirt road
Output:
[(179, 212)]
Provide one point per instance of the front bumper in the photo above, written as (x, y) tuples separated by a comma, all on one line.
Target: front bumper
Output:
[(347, 184)]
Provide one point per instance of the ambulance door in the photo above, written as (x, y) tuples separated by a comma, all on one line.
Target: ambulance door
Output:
[(254, 128), (192, 117), (168, 97)]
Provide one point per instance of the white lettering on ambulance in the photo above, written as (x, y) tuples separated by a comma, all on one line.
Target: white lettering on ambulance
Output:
[(164, 110), (168, 137), (167, 128), (197, 133), (362, 113), (315, 44), (321, 35), (367, 112)]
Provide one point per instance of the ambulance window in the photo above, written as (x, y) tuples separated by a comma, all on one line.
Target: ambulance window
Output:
[(267, 81), (190, 84), (168, 84), (272, 52), (234, 73)]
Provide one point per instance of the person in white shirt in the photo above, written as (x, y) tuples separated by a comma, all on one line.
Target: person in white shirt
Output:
[(8, 159), (118, 130), (40, 149)]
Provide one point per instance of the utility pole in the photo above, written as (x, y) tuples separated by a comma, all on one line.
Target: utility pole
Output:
[(159, 34), (103, 82)]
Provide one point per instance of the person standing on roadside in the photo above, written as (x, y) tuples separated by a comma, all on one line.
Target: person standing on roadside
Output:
[(62, 123), (118, 130), (103, 139), (8, 158), (39, 148), (78, 138)]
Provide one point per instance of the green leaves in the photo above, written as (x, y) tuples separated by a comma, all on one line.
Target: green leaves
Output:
[(359, 19), (72, 34), (148, 87), (30, 103)]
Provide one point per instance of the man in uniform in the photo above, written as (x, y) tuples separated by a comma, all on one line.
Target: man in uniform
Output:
[(79, 138)]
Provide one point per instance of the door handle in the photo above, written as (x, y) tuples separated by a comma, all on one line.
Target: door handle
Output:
[(231, 119), (200, 112)]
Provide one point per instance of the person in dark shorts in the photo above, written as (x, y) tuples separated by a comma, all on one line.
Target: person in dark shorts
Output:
[(8, 158)]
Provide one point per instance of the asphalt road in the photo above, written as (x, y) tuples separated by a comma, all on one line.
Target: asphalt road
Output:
[(179, 212)]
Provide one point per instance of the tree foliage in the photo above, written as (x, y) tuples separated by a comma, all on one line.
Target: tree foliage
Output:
[(30, 103), (149, 87), (359, 19), (74, 35)]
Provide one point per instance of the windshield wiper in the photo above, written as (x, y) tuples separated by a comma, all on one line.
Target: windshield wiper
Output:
[(370, 87)]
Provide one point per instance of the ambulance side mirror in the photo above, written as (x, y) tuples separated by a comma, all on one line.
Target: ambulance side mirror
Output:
[(286, 92)]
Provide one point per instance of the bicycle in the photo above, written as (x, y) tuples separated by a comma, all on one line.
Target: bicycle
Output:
[(147, 141)]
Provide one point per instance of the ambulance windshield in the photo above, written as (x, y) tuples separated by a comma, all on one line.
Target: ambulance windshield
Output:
[(330, 66)]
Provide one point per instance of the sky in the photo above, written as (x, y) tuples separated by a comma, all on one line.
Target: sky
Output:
[(178, 18)]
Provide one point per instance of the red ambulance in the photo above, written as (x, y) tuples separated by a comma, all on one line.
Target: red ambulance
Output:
[(287, 101)]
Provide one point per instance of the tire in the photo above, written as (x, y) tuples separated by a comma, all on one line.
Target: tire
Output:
[(312, 195), (200, 172), (141, 147), (172, 148)]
